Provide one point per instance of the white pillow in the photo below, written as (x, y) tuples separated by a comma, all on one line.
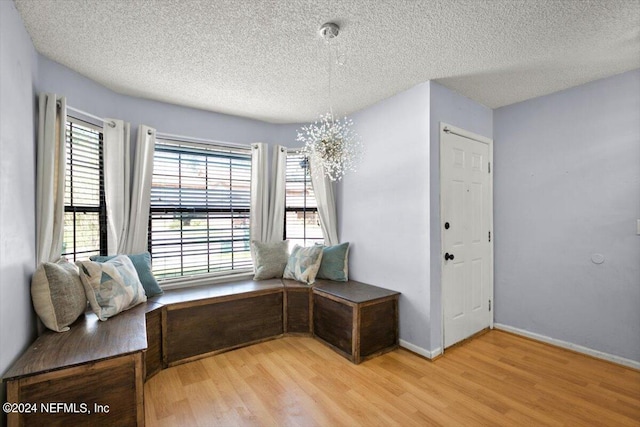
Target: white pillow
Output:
[(303, 264), (112, 286)]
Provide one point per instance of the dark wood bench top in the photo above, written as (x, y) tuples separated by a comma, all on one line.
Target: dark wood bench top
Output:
[(176, 296), (88, 340), (290, 283), (353, 291)]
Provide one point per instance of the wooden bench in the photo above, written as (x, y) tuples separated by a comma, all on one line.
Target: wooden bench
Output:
[(298, 308), (103, 365), (95, 363), (199, 322), (357, 320)]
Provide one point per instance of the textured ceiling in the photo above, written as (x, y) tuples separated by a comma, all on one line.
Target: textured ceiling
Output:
[(264, 58)]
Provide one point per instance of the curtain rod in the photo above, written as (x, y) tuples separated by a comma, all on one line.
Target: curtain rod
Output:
[(110, 123), (447, 130), (173, 137)]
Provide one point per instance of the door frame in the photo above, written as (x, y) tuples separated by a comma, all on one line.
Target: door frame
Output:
[(444, 129)]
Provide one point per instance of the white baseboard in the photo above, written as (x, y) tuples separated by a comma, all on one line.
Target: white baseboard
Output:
[(570, 346), (421, 351)]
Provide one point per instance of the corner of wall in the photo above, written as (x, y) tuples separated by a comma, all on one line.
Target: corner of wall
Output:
[(447, 106), (383, 207), (17, 187)]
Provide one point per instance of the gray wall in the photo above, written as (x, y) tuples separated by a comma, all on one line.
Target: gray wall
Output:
[(454, 109), (383, 209), (17, 187), (567, 185), (94, 98)]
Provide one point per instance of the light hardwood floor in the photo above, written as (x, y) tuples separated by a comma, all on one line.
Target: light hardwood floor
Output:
[(494, 379)]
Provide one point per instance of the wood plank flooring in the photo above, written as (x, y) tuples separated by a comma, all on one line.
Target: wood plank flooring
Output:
[(496, 379)]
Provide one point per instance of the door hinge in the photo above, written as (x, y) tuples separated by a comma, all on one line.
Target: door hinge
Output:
[(489, 236), (489, 167), (489, 305)]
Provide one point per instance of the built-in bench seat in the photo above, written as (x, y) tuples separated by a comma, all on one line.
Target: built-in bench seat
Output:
[(298, 308), (106, 363), (202, 321), (93, 363)]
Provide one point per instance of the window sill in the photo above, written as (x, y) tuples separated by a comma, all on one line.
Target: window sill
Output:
[(192, 281)]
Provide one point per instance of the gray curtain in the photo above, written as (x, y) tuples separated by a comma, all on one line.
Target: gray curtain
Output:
[(277, 194), (259, 192), (325, 198), (117, 182), (136, 239), (51, 157)]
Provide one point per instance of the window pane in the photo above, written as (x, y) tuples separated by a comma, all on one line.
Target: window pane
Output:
[(303, 228), (299, 191), (200, 200), (302, 224), (81, 235), (85, 219)]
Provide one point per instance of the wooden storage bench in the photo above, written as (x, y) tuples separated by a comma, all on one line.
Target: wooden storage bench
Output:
[(101, 366), (298, 308), (357, 320), (96, 369), (202, 321)]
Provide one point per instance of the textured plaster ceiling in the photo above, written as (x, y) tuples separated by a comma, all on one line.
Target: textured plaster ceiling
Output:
[(264, 58)]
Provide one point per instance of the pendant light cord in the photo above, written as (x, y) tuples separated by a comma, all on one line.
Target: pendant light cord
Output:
[(330, 69)]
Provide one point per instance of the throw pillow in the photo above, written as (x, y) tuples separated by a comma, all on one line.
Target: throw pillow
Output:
[(270, 259), (142, 264), (335, 265), (57, 294), (112, 286), (303, 264)]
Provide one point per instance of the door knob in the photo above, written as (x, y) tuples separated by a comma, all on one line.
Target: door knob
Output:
[(448, 256)]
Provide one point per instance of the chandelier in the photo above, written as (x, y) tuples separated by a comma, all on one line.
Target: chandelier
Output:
[(330, 143)]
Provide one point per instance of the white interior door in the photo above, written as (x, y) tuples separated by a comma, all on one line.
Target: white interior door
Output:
[(466, 214)]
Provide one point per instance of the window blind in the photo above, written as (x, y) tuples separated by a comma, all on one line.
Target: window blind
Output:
[(302, 224), (199, 213), (84, 203)]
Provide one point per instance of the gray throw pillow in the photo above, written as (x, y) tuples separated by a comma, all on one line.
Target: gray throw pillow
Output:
[(58, 295), (270, 259)]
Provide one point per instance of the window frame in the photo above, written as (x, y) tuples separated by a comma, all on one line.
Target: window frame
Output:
[(201, 148)]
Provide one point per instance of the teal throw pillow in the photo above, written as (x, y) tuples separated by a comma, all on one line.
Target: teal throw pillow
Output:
[(142, 264), (334, 265), (303, 264)]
